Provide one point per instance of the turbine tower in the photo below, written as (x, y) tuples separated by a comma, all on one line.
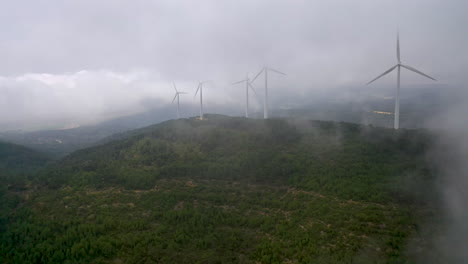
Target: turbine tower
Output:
[(177, 94), (398, 66), (265, 102), (200, 88), (248, 85)]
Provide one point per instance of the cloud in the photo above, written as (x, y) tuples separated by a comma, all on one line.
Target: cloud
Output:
[(81, 97), (43, 100), (321, 45), (449, 158)]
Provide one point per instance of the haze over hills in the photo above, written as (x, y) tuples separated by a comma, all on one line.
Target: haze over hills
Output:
[(94, 167), (63, 141), (16, 160), (365, 106), (231, 190), (17, 165)]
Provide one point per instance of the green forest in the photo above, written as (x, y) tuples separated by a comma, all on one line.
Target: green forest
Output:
[(223, 190)]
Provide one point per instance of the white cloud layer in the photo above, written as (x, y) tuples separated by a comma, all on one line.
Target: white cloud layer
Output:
[(321, 45), (43, 100), (81, 97)]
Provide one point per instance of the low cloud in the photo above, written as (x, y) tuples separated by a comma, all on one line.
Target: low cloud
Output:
[(41, 100), (324, 47), (449, 158), (84, 97)]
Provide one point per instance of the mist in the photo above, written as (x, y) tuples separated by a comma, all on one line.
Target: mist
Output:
[(76, 63), (449, 158)]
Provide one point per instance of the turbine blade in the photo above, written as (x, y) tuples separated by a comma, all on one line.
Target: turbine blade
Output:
[(398, 47), (258, 74), (173, 83), (239, 82), (198, 88), (386, 72), (416, 71), (175, 97), (276, 71), (255, 92)]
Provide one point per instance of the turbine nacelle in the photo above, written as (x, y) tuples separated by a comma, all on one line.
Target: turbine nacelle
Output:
[(248, 85), (404, 66), (200, 88), (177, 96), (177, 93), (265, 101), (266, 69), (398, 66)]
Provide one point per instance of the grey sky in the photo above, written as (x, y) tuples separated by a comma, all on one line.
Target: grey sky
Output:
[(88, 59)]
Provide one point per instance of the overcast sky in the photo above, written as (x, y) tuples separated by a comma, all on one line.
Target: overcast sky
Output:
[(82, 61)]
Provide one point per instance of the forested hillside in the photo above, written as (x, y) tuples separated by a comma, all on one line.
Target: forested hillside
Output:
[(16, 159), (230, 190), (17, 164), (60, 142)]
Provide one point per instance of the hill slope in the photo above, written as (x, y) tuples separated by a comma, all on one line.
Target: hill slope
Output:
[(17, 164), (229, 190), (16, 159), (59, 143), (310, 154)]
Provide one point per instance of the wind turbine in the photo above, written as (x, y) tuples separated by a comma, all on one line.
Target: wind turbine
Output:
[(177, 94), (200, 88), (248, 85), (265, 102), (398, 66)]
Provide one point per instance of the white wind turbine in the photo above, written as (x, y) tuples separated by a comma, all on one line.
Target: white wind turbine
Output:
[(265, 100), (177, 95), (200, 88), (248, 85), (398, 66)]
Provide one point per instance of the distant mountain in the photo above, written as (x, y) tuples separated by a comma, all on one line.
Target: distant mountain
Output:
[(363, 106), (18, 164), (61, 142), (231, 190), (419, 105), (16, 159)]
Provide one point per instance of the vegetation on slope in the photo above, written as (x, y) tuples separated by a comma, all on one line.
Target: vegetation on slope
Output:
[(60, 142), (228, 190), (347, 160), (16, 159), (16, 163)]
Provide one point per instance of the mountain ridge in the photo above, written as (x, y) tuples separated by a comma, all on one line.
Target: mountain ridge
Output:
[(230, 190)]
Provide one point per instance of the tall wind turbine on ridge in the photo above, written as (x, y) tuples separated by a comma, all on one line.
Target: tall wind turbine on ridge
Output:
[(200, 88), (265, 102), (247, 86), (177, 94), (398, 66)]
